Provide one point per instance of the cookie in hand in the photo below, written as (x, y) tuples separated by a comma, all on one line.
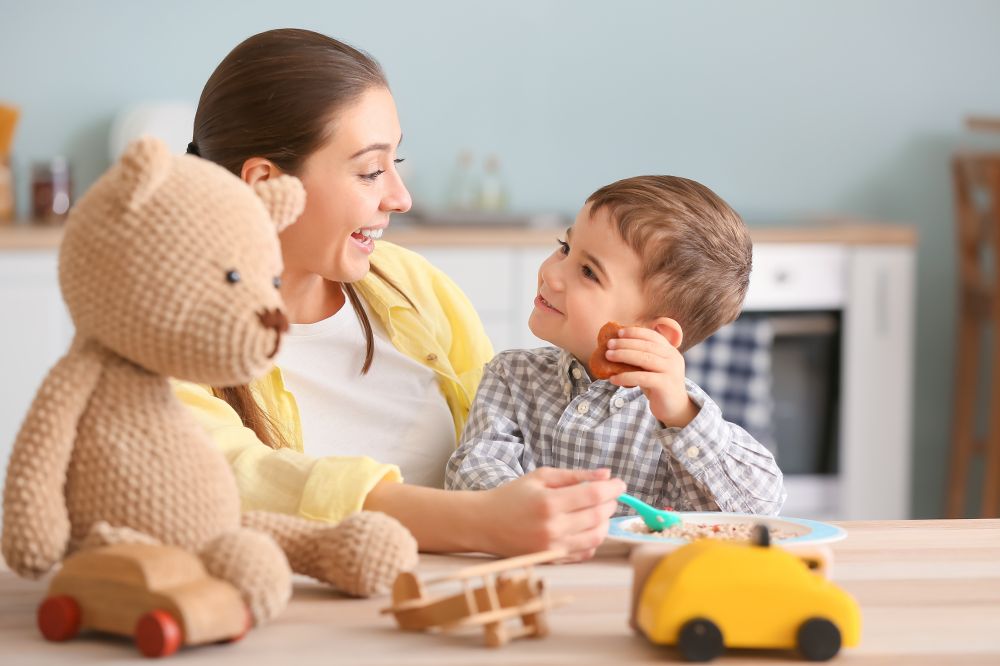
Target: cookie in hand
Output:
[(600, 366)]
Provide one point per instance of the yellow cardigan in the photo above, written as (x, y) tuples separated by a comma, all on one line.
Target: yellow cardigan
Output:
[(443, 333)]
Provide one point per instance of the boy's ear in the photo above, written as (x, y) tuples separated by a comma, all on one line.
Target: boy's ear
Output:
[(668, 328)]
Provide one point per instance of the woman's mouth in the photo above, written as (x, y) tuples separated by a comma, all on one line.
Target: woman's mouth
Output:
[(365, 237)]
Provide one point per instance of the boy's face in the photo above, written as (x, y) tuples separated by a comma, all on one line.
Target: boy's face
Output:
[(592, 278)]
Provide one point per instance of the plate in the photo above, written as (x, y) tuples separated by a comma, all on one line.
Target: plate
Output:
[(806, 531)]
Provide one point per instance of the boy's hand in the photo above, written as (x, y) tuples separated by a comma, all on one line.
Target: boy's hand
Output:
[(661, 378)]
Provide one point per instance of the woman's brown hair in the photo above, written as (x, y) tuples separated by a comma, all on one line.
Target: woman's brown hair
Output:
[(273, 97)]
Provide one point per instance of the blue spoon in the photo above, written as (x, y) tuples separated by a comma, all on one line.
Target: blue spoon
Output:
[(656, 520)]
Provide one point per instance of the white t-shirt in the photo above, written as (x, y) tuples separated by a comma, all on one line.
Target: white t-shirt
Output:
[(394, 414)]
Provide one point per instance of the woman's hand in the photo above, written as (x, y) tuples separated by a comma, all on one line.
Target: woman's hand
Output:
[(550, 508)]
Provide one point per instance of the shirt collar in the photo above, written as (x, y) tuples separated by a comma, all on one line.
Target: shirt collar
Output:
[(573, 385)]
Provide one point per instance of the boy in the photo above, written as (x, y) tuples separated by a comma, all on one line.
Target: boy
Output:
[(670, 260)]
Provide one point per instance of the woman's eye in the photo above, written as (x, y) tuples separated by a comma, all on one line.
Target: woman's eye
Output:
[(373, 175), (399, 160), (589, 274), (277, 282), (232, 276), (563, 246)]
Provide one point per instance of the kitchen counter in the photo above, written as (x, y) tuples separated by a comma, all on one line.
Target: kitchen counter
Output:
[(840, 231), (29, 236)]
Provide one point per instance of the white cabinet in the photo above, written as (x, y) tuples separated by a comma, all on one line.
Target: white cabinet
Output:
[(36, 332), (500, 282)]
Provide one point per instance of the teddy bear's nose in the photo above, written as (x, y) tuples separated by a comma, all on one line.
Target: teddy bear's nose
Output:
[(275, 319)]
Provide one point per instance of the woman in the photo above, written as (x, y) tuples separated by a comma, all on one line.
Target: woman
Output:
[(305, 439)]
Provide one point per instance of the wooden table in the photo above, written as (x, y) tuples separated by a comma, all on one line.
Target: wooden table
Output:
[(929, 593)]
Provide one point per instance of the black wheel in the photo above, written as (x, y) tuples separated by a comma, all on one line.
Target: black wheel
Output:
[(818, 639), (700, 640)]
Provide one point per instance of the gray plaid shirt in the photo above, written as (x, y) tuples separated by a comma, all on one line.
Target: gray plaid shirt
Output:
[(538, 407)]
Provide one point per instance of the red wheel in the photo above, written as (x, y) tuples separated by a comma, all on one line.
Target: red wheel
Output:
[(157, 634), (59, 618)]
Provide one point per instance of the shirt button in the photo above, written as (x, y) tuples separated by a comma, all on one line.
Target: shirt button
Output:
[(693, 452), (577, 373), (583, 407), (619, 403), (432, 357)]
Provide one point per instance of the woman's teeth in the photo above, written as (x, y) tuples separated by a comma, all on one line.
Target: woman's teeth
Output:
[(373, 234)]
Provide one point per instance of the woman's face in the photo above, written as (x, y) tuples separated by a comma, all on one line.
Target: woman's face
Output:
[(352, 187)]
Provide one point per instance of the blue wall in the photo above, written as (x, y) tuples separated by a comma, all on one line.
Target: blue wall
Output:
[(786, 108)]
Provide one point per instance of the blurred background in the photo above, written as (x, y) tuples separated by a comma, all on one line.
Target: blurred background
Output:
[(789, 110)]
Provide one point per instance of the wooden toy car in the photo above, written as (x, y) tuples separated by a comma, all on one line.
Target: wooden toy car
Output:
[(161, 595), (502, 596), (710, 594)]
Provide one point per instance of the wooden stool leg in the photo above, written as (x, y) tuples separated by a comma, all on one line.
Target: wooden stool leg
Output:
[(964, 412), (991, 456)]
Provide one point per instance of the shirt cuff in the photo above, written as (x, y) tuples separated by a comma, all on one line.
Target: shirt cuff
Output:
[(337, 486), (702, 442)]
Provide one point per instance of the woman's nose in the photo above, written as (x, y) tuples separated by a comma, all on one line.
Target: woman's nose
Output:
[(397, 197)]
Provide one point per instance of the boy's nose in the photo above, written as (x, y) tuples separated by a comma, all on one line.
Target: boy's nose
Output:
[(549, 273)]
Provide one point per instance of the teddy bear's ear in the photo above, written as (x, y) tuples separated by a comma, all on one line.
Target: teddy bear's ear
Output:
[(145, 165), (284, 198)]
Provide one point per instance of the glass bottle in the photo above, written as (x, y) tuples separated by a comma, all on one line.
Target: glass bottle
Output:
[(492, 189), (462, 187)]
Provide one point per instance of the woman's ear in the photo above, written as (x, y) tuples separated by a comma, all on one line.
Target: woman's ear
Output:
[(257, 169), (670, 329)]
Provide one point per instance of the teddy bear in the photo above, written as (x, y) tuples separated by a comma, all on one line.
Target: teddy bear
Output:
[(169, 268)]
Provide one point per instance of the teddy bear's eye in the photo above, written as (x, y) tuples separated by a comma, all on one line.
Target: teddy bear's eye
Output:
[(233, 276), (277, 282)]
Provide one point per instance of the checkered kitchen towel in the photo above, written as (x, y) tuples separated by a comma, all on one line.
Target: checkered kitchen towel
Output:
[(733, 366)]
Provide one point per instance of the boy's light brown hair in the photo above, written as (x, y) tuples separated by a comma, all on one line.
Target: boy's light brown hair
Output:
[(695, 250)]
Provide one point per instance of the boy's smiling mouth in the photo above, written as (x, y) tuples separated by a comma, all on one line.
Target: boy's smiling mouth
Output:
[(545, 305)]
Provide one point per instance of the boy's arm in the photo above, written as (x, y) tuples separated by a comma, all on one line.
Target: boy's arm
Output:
[(492, 445), (720, 466)]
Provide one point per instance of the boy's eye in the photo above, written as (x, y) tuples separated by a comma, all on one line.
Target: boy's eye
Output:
[(563, 246), (589, 274)]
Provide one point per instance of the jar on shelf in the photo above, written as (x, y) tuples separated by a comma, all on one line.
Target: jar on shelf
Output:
[(7, 208), (51, 190)]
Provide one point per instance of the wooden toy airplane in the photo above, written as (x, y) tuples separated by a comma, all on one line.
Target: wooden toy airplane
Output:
[(503, 595)]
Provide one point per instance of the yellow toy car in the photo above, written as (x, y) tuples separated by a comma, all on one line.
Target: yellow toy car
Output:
[(711, 594)]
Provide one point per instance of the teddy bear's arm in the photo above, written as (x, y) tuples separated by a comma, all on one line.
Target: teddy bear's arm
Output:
[(35, 520)]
